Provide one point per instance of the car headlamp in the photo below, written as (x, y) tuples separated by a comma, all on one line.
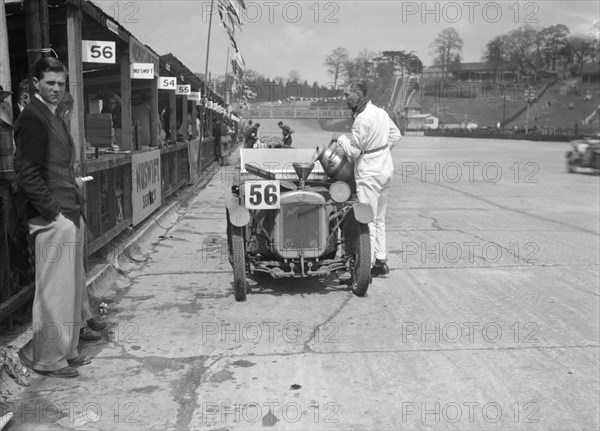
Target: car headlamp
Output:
[(340, 191)]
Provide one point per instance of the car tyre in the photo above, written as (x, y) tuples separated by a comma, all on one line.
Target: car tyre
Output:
[(361, 270), (237, 258), (572, 166)]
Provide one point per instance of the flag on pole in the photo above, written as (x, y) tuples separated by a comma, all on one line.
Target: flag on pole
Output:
[(230, 17)]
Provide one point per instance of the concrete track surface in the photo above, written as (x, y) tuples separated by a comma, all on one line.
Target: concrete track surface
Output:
[(489, 319)]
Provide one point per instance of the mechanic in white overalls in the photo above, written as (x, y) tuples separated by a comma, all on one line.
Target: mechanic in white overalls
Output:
[(374, 134)]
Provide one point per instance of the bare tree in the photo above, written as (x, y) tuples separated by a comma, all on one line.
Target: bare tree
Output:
[(335, 63), (294, 77), (446, 47)]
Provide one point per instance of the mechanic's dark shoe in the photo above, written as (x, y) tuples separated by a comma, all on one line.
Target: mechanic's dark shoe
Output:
[(87, 334), (65, 372), (96, 325), (78, 361), (380, 268)]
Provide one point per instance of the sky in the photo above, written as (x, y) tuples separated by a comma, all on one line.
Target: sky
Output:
[(277, 37)]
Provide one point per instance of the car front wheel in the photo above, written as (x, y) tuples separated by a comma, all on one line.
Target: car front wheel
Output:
[(361, 269), (237, 257)]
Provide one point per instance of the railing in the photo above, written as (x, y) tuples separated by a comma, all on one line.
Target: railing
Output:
[(108, 199), (175, 168), (108, 213), (291, 112)]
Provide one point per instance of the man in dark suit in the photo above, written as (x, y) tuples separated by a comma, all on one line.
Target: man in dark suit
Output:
[(44, 166)]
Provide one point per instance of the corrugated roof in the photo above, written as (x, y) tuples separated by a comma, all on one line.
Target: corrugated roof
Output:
[(180, 70)]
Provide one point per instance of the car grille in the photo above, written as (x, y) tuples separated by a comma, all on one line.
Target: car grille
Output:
[(301, 226)]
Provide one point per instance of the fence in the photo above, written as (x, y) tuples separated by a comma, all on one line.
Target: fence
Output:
[(108, 213)]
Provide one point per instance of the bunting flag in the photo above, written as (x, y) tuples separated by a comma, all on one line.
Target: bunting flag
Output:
[(230, 17), (240, 59), (237, 70)]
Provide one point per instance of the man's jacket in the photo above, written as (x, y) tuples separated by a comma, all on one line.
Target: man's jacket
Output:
[(44, 164), (374, 134)]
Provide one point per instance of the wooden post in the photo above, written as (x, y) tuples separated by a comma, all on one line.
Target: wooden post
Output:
[(33, 33), (154, 122), (184, 120), (74, 18), (173, 116), (194, 131), (45, 26), (126, 143)]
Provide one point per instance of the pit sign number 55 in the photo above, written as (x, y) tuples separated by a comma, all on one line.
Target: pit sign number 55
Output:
[(262, 195)]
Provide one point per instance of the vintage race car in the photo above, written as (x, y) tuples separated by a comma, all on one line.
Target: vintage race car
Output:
[(288, 219)]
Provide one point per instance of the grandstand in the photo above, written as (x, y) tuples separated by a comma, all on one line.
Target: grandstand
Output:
[(454, 102), (563, 105)]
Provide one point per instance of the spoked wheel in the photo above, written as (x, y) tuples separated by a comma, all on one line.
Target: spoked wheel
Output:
[(572, 166), (237, 258), (361, 270)]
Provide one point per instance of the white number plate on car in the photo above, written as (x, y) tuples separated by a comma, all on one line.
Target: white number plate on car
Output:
[(262, 195)]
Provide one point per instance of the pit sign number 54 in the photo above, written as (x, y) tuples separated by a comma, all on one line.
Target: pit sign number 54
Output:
[(263, 195)]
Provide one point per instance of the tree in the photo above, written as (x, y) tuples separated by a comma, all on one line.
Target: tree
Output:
[(495, 54), (405, 61), (582, 48), (360, 66), (446, 46), (555, 42), (521, 48), (294, 77), (335, 63)]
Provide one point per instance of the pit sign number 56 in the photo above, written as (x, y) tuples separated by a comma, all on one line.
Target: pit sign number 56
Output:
[(262, 195), (98, 51)]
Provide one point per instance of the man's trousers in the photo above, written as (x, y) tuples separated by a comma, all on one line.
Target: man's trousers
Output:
[(59, 284)]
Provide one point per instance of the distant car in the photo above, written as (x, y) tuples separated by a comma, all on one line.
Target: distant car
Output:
[(287, 219), (584, 153)]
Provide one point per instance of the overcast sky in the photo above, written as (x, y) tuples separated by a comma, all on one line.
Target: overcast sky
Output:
[(280, 36)]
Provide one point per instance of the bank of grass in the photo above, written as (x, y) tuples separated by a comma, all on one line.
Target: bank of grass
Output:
[(340, 125), (515, 136)]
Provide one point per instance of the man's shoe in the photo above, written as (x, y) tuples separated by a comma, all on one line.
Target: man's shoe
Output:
[(380, 268), (87, 334), (65, 372), (96, 325), (79, 361)]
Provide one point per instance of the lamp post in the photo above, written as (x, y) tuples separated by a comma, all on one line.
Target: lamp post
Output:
[(529, 99)]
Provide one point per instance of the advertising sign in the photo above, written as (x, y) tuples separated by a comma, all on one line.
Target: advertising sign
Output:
[(146, 186), (139, 53), (142, 71), (194, 95)]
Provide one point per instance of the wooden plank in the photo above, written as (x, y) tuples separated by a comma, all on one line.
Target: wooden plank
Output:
[(108, 236), (33, 33), (8, 307), (100, 141), (74, 18), (172, 116), (127, 141), (111, 197), (184, 120), (108, 161), (154, 121), (5, 279), (104, 132)]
